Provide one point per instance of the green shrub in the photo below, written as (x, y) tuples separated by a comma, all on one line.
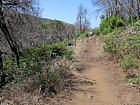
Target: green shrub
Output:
[(132, 19), (137, 23), (111, 23), (124, 48), (82, 35), (110, 44), (60, 49), (119, 23), (51, 80), (119, 45), (32, 61), (129, 62), (117, 30), (69, 42), (136, 26), (132, 81), (21, 72), (96, 31), (133, 43)]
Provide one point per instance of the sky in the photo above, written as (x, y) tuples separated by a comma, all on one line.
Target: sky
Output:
[(67, 10)]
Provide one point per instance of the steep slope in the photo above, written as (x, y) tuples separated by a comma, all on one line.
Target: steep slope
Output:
[(27, 30)]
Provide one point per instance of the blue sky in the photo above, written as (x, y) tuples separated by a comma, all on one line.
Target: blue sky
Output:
[(66, 10)]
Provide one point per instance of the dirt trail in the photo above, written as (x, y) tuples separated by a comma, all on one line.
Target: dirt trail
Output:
[(103, 92), (102, 81)]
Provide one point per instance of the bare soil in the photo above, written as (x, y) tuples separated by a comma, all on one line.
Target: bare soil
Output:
[(105, 77)]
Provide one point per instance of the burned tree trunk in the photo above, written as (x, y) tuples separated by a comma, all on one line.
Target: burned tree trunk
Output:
[(7, 34), (9, 39), (2, 75)]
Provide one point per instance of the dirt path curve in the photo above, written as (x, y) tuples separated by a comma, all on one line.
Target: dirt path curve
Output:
[(103, 92)]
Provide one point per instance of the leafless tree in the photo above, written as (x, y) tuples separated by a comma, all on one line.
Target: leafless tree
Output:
[(82, 19), (122, 8), (8, 27)]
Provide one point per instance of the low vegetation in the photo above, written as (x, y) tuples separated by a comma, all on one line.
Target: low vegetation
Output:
[(123, 45), (80, 67), (111, 23), (82, 35), (42, 68)]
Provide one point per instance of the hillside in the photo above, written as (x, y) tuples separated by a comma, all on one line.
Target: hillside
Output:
[(102, 70), (31, 33), (93, 78), (51, 62), (44, 20)]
